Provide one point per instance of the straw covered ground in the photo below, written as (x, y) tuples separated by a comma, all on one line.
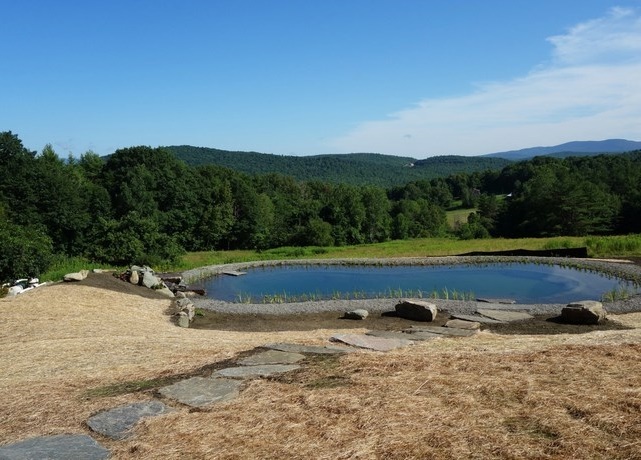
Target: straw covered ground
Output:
[(71, 350)]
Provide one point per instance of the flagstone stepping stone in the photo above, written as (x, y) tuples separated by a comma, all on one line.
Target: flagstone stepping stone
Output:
[(59, 447), (117, 423), (370, 342), (503, 301), (447, 331), (476, 318), (310, 349), (502, 306), (463, 324), (272, 357), (250, 372), (201, 391), (506, 316), (401, 335)]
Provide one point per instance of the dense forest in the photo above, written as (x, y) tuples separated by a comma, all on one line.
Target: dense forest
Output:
[(350, 168), (144, 205)]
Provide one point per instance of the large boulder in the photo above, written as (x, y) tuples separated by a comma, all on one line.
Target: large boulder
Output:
[(583, 312), (416, 310), (150, 280)]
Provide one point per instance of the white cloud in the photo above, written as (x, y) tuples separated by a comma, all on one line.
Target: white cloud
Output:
[(590, 91)]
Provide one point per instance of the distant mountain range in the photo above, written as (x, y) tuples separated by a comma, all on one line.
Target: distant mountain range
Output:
[(576, 148), (383, 170), (348, 168)]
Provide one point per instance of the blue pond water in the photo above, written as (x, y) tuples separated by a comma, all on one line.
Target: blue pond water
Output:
[(525, 283)]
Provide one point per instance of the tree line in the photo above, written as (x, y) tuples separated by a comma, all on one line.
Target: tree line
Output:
[(143, 205)]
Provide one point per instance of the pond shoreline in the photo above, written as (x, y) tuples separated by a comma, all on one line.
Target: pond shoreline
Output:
[(630, 272)]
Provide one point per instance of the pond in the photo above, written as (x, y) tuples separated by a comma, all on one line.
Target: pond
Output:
[(524, 283)]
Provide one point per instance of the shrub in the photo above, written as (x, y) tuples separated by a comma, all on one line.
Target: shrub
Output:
[(24, 252)]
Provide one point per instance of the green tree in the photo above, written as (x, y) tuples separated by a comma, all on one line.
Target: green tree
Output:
[(26, 251)]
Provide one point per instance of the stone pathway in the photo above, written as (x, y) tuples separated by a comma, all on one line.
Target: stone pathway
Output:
[(225, 384)]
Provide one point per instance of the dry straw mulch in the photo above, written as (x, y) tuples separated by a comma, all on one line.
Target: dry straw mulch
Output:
[(491, 396)]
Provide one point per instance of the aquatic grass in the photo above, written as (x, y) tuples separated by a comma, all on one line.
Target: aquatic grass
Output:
[(390, 293), (619, 293)]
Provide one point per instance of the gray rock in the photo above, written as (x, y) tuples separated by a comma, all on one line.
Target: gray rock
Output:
[(506, 316), (150, 280), (134, 278), (183, 302), (448, 331), (118, 423), (183, 319), (164, 290), (60, 447), (476, 318), (356, 314), (463, 324), (416, 310), (272, 357), (77, 276), (583, 312), (370, 342), (201, 391), (401, 335), (309, 349), (251, 372)]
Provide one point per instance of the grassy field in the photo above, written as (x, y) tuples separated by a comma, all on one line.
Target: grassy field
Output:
[(602, 247), (87, 348), (457, 216)]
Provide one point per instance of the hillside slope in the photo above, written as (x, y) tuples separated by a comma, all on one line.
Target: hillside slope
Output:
[(352, 168)]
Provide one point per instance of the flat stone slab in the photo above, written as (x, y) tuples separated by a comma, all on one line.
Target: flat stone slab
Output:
[(201, 391), (234, 273), (371, 343), (447, 331), (505, 316), (272, 357), (401, 335), (502, 306), (310, 349), (117, 423), (476, 318), (250, 372), (463, 324), (502, 301), (59, 447)]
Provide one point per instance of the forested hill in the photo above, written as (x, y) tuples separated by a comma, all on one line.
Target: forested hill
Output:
[(350, 168)]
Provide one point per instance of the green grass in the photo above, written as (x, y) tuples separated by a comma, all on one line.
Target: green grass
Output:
[(64, 265), (620, 246), (460, 216)]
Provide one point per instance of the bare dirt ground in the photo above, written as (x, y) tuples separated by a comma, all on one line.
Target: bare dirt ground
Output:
[(71, 350)]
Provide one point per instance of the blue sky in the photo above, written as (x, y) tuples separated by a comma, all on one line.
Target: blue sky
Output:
[(405, 77)]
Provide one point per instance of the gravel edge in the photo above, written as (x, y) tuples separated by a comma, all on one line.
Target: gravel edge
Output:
[(626, 271)]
